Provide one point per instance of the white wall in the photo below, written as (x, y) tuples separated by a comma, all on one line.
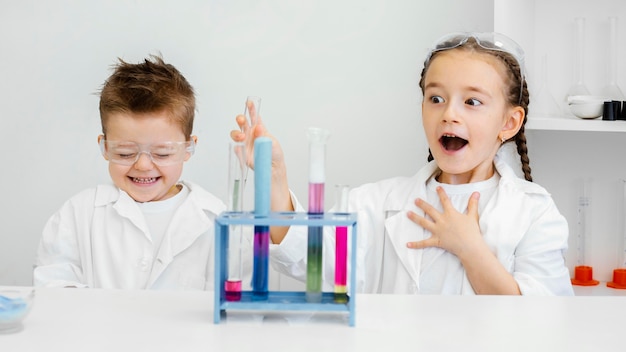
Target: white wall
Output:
[(350, 66)]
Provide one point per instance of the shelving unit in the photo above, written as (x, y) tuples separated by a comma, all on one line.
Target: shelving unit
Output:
[(280, 300), (574, 124)]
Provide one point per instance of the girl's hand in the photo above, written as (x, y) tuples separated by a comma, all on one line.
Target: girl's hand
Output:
[(453, 231), (280, 195), (248, 131)]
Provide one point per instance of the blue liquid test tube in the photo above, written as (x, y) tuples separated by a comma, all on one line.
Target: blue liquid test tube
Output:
[(262, 191)]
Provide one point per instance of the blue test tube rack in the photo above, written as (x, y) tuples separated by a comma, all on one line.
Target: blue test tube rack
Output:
[(280, 300)]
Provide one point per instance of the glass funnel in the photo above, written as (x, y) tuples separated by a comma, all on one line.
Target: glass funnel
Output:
[(612, 90), (579, 87)]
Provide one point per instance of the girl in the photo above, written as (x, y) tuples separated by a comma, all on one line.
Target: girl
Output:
[(465, 223)]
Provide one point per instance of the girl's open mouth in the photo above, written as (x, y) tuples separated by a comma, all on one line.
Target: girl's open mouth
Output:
[(452, 143)]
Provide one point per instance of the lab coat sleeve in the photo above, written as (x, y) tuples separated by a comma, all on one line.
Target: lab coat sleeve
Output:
[(289, 257), (58, 262), (540, 256)]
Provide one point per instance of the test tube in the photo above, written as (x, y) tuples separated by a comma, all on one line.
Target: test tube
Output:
[(236, 175), (619, 273), (262, 191), (341, 247), (583, 273), (317, 150)]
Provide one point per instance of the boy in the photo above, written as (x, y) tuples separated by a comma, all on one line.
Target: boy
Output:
[(148, 230)]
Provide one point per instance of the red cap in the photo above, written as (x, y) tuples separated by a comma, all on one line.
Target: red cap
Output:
[(583, 276), (619, 279)]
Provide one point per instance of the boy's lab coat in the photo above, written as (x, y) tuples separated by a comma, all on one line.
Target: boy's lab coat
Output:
[(99, 238), (520, 224)]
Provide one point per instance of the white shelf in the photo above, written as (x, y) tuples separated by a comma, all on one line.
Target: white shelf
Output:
[(599, 290), (574, 124)]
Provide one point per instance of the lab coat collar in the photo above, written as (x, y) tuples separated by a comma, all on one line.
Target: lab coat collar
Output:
[(194, 217), (399, 228)]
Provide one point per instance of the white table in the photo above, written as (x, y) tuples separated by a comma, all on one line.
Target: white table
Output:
[(116, 320)]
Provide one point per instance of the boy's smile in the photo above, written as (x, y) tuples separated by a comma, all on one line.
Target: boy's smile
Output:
[(144, 180)]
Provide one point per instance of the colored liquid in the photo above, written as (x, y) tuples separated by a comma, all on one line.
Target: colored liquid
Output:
[(232, 289), (314, 249), (341, 259), (314, 263), (260, 273), (341, 294), (316, 198)]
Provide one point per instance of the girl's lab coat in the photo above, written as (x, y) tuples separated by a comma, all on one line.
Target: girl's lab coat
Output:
[(99, 238), (520, 224)]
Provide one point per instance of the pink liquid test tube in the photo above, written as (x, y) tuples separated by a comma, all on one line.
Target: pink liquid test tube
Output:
[(317, 179), (236, 181), (341, 247)]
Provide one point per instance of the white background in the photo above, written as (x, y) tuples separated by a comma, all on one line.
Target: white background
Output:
[(349, 66)]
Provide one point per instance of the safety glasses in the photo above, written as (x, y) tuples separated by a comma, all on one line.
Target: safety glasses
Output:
[(487, 40), (161, 154)]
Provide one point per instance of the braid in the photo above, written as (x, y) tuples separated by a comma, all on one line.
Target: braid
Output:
[(520, 137)]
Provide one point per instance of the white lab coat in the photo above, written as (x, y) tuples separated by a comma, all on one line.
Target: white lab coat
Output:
[(520, 224), (99, 238)]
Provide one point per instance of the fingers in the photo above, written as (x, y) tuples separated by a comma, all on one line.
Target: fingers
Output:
[(428, 210), (429, 242), (237, 136), (472, 205), (420, 220), (254, 117), (443, 197), (242, 122)]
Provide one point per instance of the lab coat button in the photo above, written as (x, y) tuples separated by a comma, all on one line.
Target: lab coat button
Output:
[(144, 264)]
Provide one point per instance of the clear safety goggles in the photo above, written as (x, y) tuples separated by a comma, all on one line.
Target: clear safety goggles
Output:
[(161, 154), (486, 40)]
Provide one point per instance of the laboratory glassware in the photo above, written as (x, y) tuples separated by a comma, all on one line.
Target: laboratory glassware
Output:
[(579, 87), (262, 192), (317, 178), (341, 246), (583, 273), (542, 103), (237, 169), (619, 274), (612, 91)]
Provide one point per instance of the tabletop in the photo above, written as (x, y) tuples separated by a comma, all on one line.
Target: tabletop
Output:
[(128, 320)]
